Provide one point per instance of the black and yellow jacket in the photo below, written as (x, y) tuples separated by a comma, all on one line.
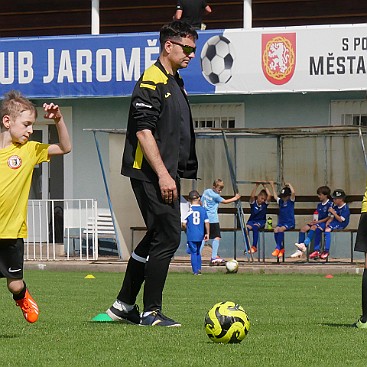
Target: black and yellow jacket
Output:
[(159, 103)]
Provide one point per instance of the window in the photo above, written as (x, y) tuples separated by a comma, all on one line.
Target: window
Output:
[(353, 112), (218, 115), (352, 119)]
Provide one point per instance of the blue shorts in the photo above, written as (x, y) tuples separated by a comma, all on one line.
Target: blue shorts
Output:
[(259, 223), (335, 224), (286, 225), (194, 247), (321, 226)]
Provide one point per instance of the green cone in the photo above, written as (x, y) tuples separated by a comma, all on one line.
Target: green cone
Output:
[(102, 317)]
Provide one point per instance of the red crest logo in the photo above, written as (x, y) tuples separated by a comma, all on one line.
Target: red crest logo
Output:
[(14, 162), (279, 57)]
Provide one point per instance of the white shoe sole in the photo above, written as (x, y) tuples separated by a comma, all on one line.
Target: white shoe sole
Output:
[(156, 324), (297, 254), (119, 319), (301, 247)]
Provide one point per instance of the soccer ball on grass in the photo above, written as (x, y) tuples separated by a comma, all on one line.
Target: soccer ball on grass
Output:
[(232, 266), (227, 322)]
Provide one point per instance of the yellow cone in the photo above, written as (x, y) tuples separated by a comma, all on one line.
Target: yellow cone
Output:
[(90, 276)]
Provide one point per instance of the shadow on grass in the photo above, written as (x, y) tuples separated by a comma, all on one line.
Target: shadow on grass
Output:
[(115, 323), (338, 325), (9, 336)]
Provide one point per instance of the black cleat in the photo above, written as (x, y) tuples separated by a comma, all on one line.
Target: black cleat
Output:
[(156, 318), (117, 313)]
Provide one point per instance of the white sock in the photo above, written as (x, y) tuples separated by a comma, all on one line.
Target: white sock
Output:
[(125, 307), (145, 314)]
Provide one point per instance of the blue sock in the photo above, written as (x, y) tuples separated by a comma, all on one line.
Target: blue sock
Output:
[(311, 232), (255, 239), (317, 239), (280, 244), (247, 238), (301, 237), (215, 247), (198, 262), (309, 237), (194, 263), (198, 258), (282, 239), (327, 241), (276, 235)]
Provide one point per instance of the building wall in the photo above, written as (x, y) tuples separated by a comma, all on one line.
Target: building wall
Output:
[(274, 110), (283, 109), (98, 113)]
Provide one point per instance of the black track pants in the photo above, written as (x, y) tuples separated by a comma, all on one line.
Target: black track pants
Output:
[(151, 258)]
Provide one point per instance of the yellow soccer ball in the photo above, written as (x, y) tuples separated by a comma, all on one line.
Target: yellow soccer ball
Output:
[(227, 322)]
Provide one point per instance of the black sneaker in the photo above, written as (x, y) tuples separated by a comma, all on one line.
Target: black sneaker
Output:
[(117, 313), (156, 318)]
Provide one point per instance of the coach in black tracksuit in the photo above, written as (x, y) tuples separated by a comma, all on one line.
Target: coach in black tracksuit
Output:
[(159, 150)]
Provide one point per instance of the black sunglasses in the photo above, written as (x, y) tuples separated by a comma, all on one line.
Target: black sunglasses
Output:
[(186, 49)]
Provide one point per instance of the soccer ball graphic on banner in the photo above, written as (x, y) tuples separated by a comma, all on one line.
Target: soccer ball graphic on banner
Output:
[(217, 58), (227, 322), (232, 266)]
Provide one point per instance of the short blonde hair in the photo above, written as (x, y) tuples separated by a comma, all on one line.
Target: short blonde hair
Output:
[(218, 182), (14, 103)]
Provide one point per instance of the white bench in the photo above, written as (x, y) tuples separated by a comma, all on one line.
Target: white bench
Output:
[(105, 228), (100, 228)]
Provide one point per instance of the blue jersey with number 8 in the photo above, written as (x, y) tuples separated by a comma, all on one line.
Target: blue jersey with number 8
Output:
[(195, 223)]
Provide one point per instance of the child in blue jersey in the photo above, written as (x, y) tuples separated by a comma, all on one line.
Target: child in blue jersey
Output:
[(257, 218), (196, 226), (323, 193), (286, 219), (211, 199), (339, 215)]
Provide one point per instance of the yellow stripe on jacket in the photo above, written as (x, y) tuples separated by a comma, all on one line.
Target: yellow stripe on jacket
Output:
[(364, 202), (138, 161)]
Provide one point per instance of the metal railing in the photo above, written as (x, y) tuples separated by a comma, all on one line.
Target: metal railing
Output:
[(62, 229)]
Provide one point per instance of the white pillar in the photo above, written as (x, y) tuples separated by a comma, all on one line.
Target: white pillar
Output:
[(95, 17), (247, 14)]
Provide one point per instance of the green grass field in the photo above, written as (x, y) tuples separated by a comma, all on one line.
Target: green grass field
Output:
[(296, 320)]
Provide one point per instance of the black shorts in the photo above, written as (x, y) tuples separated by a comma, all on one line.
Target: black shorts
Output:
[(361, 239), (11, 258), (214, 230)]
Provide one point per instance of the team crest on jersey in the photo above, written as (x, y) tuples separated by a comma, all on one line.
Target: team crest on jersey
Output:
[(14, 162), (279, 57)]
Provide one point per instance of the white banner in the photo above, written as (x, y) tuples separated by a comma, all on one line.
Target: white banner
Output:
[(297, 59)]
